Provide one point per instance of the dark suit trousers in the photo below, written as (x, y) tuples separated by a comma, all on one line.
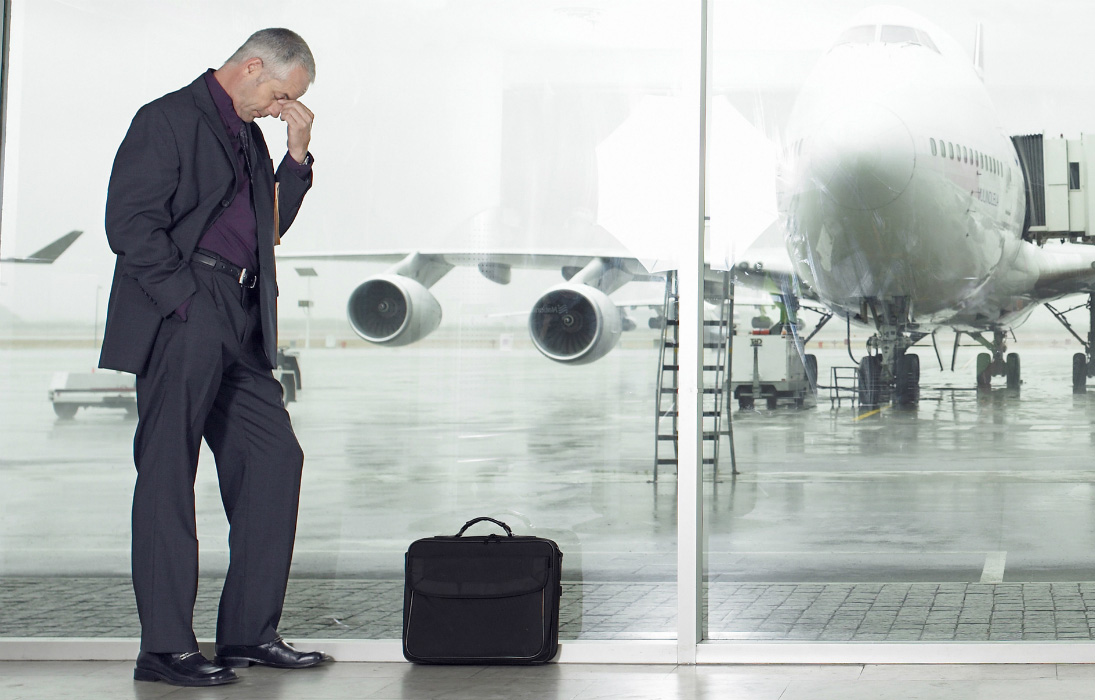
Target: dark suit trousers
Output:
[(208, 377)]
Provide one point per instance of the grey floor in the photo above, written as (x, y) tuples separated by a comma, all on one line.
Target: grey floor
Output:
[(359, 681)]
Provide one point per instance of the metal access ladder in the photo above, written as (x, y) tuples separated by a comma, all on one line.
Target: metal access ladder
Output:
[(716, 334)]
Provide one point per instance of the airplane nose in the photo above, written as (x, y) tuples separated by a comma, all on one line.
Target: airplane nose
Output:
[(862, 158)]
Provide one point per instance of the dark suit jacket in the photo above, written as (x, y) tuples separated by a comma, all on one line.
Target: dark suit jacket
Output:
[(173, 176)]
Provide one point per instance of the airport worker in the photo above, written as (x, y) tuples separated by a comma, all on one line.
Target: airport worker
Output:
[(194, 209)]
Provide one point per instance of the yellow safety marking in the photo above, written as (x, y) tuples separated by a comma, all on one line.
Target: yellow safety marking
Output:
[(868, 414)]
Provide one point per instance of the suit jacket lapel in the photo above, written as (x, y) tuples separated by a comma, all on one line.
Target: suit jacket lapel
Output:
[(204, 101)]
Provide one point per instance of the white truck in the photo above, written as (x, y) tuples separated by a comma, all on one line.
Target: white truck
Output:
[(769, 364)]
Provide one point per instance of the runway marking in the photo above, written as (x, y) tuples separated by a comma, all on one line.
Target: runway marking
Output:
[(878, 410), (994, 567)]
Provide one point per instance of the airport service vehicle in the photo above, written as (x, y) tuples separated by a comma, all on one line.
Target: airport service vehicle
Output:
[(106, 388), (771, 366)]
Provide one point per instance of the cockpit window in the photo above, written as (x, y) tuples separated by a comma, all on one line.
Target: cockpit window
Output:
[(863, 34), (896, 34), (889, 34)]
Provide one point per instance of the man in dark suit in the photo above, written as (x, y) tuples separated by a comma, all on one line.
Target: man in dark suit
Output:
[(194, 209)]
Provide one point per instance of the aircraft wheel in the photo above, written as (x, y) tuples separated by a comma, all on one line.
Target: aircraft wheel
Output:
[(984, 370), (1079, 373), (811, 372), (1012, 368), (870, 381), (908, 380), (65, 411)]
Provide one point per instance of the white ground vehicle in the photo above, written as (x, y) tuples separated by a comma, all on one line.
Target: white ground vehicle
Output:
[(69, 391), (768, 363)]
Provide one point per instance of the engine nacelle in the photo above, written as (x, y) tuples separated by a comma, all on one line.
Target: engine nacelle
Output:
[(574, 324), (393, 310)]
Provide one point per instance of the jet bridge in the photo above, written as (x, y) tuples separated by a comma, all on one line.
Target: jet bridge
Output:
[(1061, 205), (1060, 192)]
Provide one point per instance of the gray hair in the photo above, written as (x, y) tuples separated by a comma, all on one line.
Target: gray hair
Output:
[(281, 50)]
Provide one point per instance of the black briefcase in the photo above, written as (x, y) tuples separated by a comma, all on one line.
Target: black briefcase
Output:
[(484, 599)]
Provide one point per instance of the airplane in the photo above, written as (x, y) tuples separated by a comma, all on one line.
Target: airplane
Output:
[(48, 254), (902, 205)]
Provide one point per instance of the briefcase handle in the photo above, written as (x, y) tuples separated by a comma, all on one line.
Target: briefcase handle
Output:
[(468, 524)]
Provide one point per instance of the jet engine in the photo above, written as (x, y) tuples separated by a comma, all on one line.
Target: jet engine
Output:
[(574, 324), (393, 310)]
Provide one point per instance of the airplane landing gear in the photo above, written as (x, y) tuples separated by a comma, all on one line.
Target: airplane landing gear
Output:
[(1083, 366), (999, 363), (892, 373)]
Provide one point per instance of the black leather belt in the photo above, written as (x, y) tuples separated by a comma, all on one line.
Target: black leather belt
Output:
[(245, 277)]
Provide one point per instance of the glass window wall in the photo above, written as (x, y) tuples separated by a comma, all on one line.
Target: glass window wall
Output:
[(936, 486), (475, 156)]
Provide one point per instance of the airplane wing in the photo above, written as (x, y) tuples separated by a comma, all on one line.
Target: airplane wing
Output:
[(1063, 269), (485, 260), (51, 252)]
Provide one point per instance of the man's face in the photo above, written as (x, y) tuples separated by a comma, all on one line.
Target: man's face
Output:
[(260, 94)]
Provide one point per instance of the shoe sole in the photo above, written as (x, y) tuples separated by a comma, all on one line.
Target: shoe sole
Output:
[(244, 662), (141, 674)]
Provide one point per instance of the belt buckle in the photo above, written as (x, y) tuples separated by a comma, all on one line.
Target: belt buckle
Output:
[(243, 276)]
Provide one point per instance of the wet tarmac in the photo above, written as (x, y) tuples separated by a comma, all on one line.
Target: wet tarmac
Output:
[(968, 489)]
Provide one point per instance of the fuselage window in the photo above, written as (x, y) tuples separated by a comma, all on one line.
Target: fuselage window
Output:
[(965, 155), (933, 147), (950, 149)]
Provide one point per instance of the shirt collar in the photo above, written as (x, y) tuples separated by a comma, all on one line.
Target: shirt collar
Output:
[(227, 111)]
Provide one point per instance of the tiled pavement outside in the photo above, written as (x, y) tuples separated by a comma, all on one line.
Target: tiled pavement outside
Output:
[(372, 609)]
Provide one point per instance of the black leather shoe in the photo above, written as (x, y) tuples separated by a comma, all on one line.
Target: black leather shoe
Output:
[(277, 653), (189, 669)]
